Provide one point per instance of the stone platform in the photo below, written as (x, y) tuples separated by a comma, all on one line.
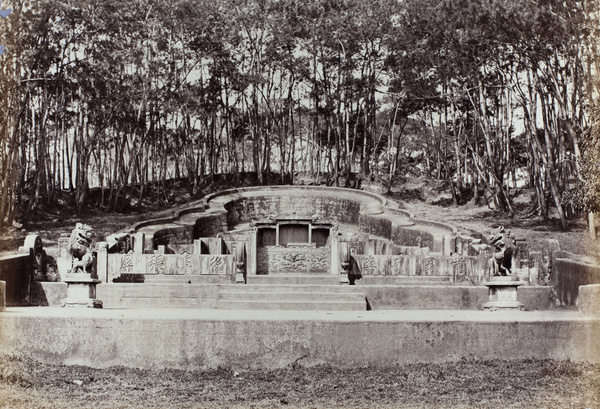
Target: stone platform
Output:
[(202, 338), (203, 292)]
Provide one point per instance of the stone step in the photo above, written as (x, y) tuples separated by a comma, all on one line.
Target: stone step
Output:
[(187, 279), (296, 305), (404, 280), (289, 296), (290, 288), (331, 279), (292, 296), (307, 279)]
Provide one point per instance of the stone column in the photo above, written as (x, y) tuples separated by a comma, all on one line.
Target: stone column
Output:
[(2, 296), (197, 247), (449, 244), (138, 243), (335, 251), (102, 264), (240, 263), (251, 253), (64, 261), (345, 261)]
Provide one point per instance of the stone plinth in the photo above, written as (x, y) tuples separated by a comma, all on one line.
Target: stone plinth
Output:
[(81, 291), (503, 293)]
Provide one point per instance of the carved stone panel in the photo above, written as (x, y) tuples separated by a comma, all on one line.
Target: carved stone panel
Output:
[(301, 259)]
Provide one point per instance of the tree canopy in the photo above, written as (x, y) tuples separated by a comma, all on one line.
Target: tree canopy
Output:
[(487, 94)]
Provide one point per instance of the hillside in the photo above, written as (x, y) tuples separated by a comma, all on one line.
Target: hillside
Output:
[(426, 198)]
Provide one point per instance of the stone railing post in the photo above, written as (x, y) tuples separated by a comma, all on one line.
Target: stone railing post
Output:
[(335, 251), (240, 263), (345, 262), (251, 254), (102, 261), (138, 243), (2, 296), (449, 244)]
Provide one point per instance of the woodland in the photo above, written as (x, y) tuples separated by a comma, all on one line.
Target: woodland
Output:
[(126, 96)]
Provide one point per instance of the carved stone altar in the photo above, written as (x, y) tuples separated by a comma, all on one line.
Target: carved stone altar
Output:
[(503, 293), (293, 246)]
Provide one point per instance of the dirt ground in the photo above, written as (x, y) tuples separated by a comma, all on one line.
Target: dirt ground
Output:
[(431, 199), (468, 383)]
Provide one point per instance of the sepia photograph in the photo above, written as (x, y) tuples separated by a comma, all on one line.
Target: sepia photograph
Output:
[(299, 204)]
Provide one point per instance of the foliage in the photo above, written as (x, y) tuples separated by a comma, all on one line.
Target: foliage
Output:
[(590, 165), (120, 94)]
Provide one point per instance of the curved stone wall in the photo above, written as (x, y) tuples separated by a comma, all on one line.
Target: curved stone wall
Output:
[(247, 209), (221, 211)]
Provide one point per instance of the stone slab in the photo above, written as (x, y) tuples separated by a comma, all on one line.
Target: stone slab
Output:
[(589, 299), (502, 305)]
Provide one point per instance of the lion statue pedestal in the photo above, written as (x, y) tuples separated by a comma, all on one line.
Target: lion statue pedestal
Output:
[(502, 292), (81, 292)]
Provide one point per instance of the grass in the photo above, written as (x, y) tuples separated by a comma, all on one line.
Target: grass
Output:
[(468, 383)]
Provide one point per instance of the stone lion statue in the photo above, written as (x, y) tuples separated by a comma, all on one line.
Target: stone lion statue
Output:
[(505, 248), (81, 245)]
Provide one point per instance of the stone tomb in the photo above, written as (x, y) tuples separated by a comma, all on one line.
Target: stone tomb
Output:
[(294, 246)]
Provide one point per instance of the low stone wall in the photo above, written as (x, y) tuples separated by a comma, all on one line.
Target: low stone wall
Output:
[(173, 235), (169, 264), (463, 268), (47, 293), (385, 297), (375, 225), (210, 224), (172, 231), (166, 339), (568, 275), (405, 236), (224, 210), (143, 296), (17, 272)]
